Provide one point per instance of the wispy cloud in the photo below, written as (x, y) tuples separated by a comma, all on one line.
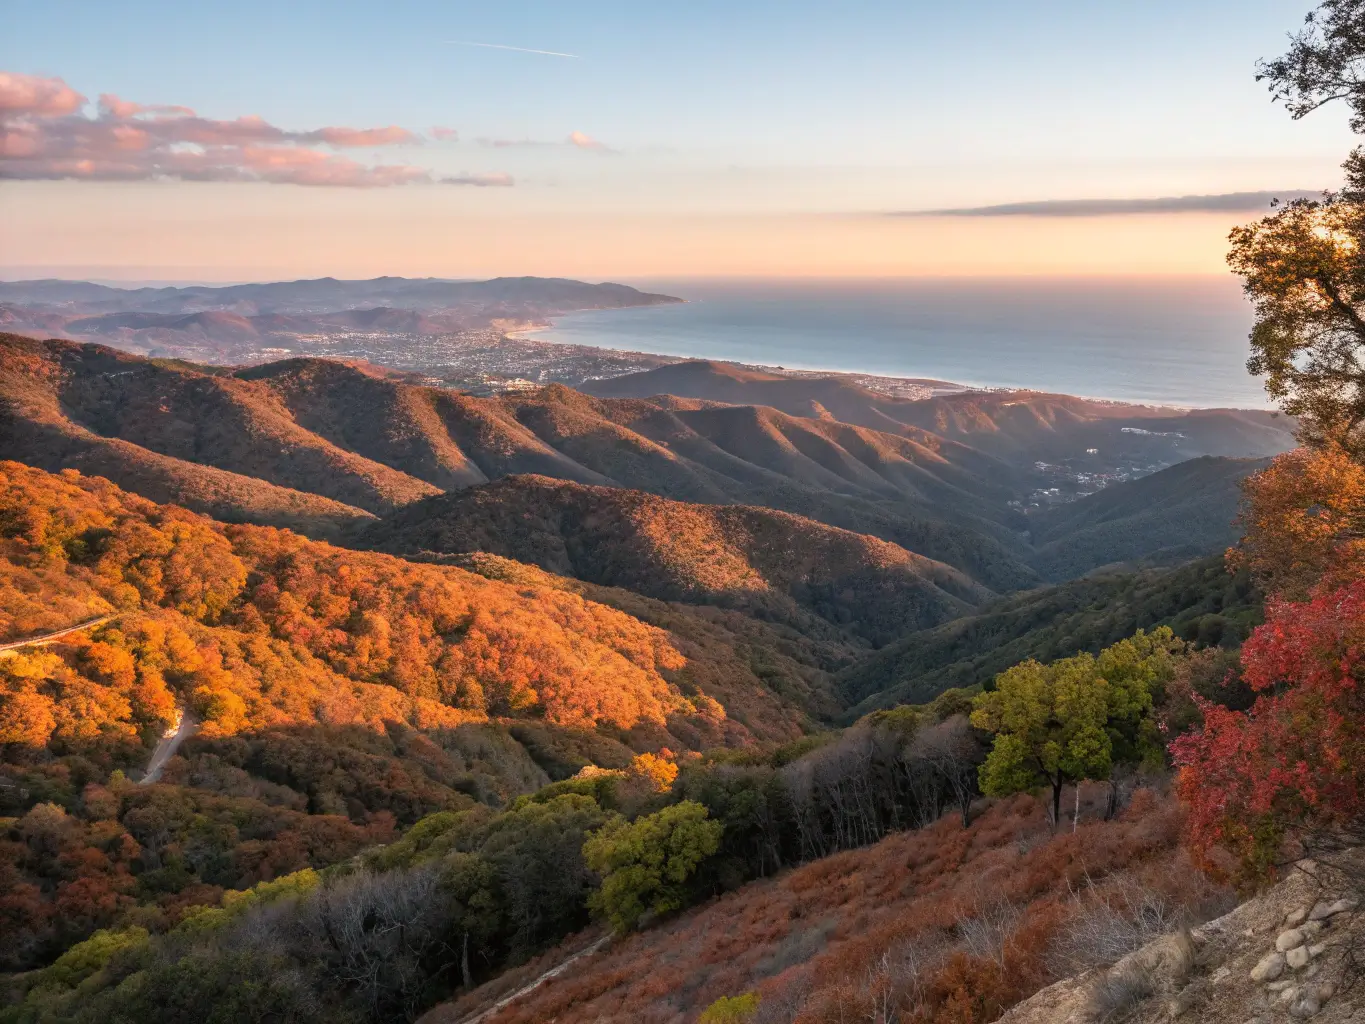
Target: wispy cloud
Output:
[(516, 49), (45, 135), (574, 140), (497, 180), (1224, 202)]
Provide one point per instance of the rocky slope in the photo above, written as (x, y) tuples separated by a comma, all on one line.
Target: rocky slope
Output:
[(1289, 954)]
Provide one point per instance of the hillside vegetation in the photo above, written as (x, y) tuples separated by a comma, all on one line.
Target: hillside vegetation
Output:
[(314, 445), (1179, 513), (941, 925), (347, 437), (774, 565), (1201, 601), (337, 694)]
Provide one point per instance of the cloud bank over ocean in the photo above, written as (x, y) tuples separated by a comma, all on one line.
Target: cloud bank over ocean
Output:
[(1225, 202)]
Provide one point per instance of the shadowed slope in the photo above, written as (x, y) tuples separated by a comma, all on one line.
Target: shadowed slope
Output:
[(1182, 512), (773, 564), (1200, 601)]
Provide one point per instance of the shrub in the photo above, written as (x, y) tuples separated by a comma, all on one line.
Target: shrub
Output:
[(645, 864)]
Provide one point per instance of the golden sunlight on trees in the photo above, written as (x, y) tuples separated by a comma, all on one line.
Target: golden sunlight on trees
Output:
[(731, 1010), (1303, 267), (1304, 517)]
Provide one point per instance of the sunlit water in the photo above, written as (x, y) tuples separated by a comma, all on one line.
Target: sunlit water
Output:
[(1169, 341)]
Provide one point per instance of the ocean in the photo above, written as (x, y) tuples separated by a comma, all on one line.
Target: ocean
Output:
[(1162, 341)]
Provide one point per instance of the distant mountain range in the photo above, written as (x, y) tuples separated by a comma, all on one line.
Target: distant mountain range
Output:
[(324, 447), (242, 323), (521, 294), (1018, 425)]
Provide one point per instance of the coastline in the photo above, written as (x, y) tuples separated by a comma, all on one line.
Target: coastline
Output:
[(883, 383)]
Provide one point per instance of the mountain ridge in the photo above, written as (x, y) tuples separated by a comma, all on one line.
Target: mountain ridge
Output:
[(773, 564)]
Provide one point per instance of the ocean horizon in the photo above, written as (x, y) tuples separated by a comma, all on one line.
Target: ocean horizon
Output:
[(1163, 341)]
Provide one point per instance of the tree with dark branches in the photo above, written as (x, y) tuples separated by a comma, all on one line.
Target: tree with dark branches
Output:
[(1325, 62), (1303, 266)]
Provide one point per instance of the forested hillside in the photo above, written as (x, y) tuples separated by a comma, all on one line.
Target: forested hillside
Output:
[(548, 632), (336, 694), (1179, 513), (774, 565), (1201, 601), (315, 445)]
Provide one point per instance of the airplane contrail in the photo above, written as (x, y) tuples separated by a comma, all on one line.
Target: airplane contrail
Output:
[(519, 49)]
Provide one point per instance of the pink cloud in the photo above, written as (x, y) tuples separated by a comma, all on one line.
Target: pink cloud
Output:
[(584, 141), (43, 135), (443, 134), (29, 95), (293, 165), (112, 106), (390, 136)]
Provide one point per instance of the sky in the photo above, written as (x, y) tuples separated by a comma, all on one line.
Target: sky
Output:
[(639, 140)]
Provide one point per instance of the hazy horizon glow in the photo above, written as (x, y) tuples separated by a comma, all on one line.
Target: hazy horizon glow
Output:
[(765, 140)]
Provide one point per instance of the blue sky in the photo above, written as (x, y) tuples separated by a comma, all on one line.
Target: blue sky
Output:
[(720, 109)]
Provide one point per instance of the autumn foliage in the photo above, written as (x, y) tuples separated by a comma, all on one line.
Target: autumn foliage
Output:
[(254, 626), (1296, 759), (943, 925), (1304, 517), (337, 694)]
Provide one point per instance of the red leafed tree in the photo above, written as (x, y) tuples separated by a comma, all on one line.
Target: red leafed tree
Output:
[(1294, 763)]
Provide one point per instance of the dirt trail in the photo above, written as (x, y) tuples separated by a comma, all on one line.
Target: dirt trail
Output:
[(445, 1013), (167, 746), (48, 638)]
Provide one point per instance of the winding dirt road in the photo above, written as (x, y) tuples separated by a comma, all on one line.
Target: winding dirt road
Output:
[(51, 638), (167, 746)]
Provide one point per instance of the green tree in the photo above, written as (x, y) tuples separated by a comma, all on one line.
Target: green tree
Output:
[(1049, 724), (1075, 718), (645, 864), (1325, 62), (1136, 672)]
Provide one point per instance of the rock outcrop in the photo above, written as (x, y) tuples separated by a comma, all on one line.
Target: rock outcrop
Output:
[(1292, 953)]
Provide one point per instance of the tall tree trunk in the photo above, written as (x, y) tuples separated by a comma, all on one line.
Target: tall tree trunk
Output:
[(465, 974), (1057, 800)]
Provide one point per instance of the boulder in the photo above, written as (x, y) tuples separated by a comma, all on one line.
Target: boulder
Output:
[(1289, 940), (1270, 967)]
